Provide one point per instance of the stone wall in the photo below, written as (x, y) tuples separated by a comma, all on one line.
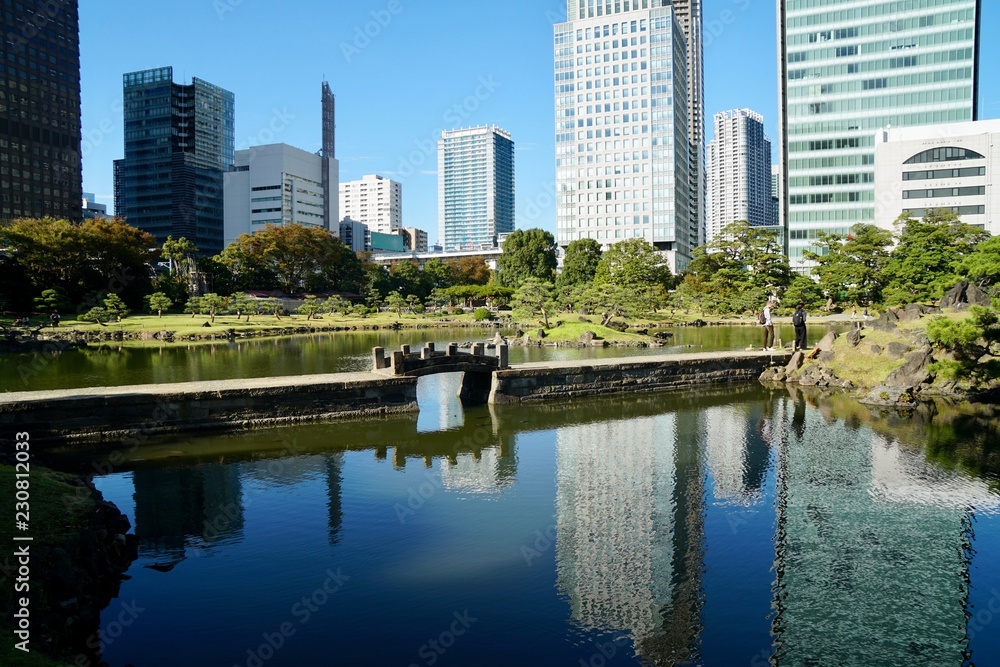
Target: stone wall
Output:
[(115, 414), (536, 382)]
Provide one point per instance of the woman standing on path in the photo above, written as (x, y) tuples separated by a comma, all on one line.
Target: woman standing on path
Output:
[(765, 321), (799, 322)]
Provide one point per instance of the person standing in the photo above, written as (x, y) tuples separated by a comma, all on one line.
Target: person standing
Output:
[(799, 322), (768, 324)]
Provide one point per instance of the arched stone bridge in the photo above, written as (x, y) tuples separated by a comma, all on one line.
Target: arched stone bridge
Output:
[(477, 366)]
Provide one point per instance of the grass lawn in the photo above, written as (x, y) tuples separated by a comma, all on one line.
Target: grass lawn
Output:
[(570, 332)]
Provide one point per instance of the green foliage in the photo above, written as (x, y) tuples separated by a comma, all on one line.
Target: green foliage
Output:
[(116, 307), (928, 257), (983, 263), (96, 314), (310, 307), (336, 304), (527, 254), (807, 291), (850, 269), (396, 303), (611, 301), (240, 304), (293, 258), (468, 271), (408, 279), (193, 306), (213, 304), (438, 274), (53, 299), (482, 314), (534, 297), (177, 252), (632, 264), (580, 263)]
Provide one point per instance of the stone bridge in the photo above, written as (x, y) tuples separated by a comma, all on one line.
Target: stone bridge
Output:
[(477, 366)]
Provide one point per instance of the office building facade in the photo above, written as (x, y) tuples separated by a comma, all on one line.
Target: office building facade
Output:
[(179, 142), (375, 201), (623, 152), (947, 166), (847, 69), (475, 186), (739, 172), (40, 152), (278, 184)]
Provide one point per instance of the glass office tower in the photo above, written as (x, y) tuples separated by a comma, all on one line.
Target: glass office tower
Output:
[(623, 152), (40, 160), (179, 140), (475, 187), (847, 69)]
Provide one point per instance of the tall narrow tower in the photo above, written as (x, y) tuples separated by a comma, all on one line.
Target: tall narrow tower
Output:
[(329, 150)]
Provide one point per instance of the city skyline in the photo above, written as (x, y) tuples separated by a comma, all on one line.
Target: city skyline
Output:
[(397, 87)]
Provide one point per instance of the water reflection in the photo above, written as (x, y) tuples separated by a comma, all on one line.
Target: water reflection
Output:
[(736, 526)]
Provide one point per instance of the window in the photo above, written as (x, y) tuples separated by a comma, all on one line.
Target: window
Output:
[(944, 154)]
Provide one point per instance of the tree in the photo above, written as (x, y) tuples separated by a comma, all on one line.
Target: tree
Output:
[(396, 303), (240, 303), (850, 268), (527, 254), (610, 301), (53, 299), (929, 253), (311, 305), (633, 264), (806, 290), (293, 258), (409, 279), (983, 263), (580, 263), (468, 271), (438, 274), (116, 307), (193, 306), (177, 252), (212, 304), (336, 304), (534, 297)]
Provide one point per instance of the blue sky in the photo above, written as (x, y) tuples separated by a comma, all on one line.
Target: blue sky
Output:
[(402, 71)]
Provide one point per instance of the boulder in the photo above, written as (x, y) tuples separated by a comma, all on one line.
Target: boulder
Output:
[(888, 396), (540, 334), (768, 375), (977, 297), (854, 337), (826, 356), (826, 344), (911, 313), (588, 337), (954, 296), (795, 363), (963, 295), (885, 322), (896, 350), (914, 372), (876, 349)]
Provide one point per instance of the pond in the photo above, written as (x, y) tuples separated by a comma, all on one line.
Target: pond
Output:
[(737, 526), (114, 365)]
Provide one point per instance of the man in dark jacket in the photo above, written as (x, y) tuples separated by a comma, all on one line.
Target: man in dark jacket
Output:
[(799, 322)]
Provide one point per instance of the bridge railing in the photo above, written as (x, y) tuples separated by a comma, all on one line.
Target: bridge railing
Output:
[(401, 361)]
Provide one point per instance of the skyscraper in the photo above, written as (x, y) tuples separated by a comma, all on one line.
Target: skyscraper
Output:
[(475, 186), (739, 172), (623, 148), (846, 70), (179, 140), (40, 111)]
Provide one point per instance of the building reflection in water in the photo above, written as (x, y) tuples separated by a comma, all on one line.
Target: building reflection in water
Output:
[(630, 531), (873, 549), (738, 456), (180, 507)]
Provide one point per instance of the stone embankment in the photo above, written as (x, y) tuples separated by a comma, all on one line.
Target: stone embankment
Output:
[(906, 349)]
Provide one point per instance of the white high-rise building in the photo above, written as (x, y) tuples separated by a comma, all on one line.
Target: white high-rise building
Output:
[(375, 201), (475, 187), (277, 184), (623, 145), (739, 172), (848, 68)]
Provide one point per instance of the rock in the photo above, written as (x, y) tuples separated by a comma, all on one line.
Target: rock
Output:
[(699, 323), (914, 372), (779, 375), (826, 344), (584, 320), (540, 334), (977, 297), (887, 396), (768, 375), (826, 356), (663, 335), (795, 363), (919, 338), (911, 313), (954, 296), (207, 324), (896, 350), (885, 322), (854, 337), (807, 381), (587, 337), (876, 349)]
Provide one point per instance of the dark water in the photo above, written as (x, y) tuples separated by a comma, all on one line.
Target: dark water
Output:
[(734, 527), (113, 365)]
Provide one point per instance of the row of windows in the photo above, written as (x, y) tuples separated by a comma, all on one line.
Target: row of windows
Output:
[(863, 13), (831, 162), (958, 210), (830, 144), (880, 64), (901, 81), (831, 198), (935, 193), (813, 234), (944, 154), (897, 100), (848, 215), (949, 37), (806, 126), (934, 174), (884, 27), (830, 179)]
